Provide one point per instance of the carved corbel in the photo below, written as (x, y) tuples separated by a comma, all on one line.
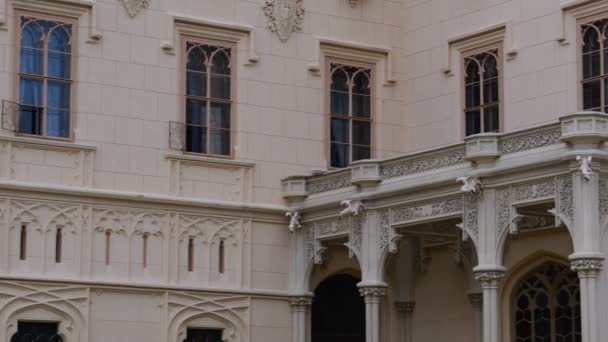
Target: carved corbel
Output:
[(295, 220), (470, 184)]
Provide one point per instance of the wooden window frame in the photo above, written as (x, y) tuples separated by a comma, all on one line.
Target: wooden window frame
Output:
[(498, 46), (184, 40), (372, 74), (19, 14)]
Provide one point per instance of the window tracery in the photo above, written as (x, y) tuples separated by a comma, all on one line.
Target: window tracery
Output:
[(350, 114), (594, 64), (208, 99), (546, 306), (45, 78), (482, 100)]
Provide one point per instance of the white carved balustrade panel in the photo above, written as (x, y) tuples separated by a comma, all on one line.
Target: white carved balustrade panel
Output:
[(199, 177), (46, 162)]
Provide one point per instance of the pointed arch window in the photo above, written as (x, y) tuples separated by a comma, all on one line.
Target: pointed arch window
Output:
[(208, 99), (45, 78), (482, 89), (350, 114), (546, 306), (594, 63)]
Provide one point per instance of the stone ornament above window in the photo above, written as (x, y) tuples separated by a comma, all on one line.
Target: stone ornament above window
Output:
[(134, 6), (284, 17)]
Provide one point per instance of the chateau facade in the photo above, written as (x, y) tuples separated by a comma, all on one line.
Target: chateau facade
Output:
[(303, 170)]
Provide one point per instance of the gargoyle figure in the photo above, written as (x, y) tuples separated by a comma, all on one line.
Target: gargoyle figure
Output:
[(295, 220), (469, 184), (584, 167), (353, 207)]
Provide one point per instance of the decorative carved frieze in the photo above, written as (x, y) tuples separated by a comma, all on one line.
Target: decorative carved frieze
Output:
[(530, 139), (533, 191), (388, 237), (323, 184), (445, 207), (489, 279), (134, 6), (603, 199), (471, 214), (565, 203), (300, 301), (284, 17), (424, 162)]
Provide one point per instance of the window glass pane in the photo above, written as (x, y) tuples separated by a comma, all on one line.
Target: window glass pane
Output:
[(196, 83), (32, 34), (31, 61), (59, 65), (36, 332), (221, 62), (196, 139), (473, 122), (58, 123), (59, 38), (30, 120), (361, 133), (220, 87), (30, 91), (490, 119), (490, 90), (339, 155), (490, 66), (591, 41), (361, 105), (58, 95), (472, 95), (339, 130), (196, 112), (203, 335), (220, 142), (339, 80), (592, 95), (361, 83), (339, 103), (220, 115), (361, 152), (472, 71), (196, 58), (591, 64)]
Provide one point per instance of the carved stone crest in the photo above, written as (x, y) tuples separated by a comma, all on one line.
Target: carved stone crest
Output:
[(134, 6), (284, 16)]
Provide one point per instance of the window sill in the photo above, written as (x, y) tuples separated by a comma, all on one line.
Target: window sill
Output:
[(48, 144), (208, 160)]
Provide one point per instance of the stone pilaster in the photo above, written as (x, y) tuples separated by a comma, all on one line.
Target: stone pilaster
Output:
[(299, 307), (406, 311), (490, 282), (476, 300), (373, 297), (588, 270)]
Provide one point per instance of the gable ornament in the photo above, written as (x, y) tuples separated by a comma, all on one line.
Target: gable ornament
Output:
[(284, 17), (134, 6)]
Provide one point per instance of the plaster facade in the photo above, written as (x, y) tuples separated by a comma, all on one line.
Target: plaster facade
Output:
[(156, 240)]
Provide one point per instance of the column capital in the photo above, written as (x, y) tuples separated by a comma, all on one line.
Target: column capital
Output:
[(489, 279), (372, 293), (300, 303), (405, 307), (587, 267)]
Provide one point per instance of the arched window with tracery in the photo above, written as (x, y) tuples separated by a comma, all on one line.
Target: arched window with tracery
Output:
[(350, 114), (482, 87), (45, 78), (594, 62), (546, 306), (208, 99)]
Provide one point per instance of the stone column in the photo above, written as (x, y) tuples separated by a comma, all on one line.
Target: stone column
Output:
[(406, 310), (490, 281), (299, 307), (476, 300), (588, 270), (372, 296)]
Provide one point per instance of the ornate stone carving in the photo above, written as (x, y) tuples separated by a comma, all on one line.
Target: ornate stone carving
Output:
[(423, 163), (295, 220), (531, 191), (587, 267), (332, 227), (443, 207), (471, 214), (299, 301), (565, 202), (356, 236), (353, 207), (603, 198), (284, 16), (134, 6), (309, 242), (372, 292), (489, 279), (529, 140), (584, 167), (323, 184), (388, 236), (469, 184)]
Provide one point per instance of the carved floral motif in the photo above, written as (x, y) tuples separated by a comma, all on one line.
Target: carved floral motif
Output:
[(424, 163), (447, 206), (300, 301), (284, 17), (327, 184), (532, 191), (134, 6), (603, 198), (372, 292), (471, 214), (564, 197), (530, 140), (489, 279), (587, 267)]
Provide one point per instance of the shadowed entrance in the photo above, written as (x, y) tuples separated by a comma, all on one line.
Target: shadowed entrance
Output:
[(338, 311)]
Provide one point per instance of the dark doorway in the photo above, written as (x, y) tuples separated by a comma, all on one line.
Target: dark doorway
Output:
[(338, 311), (36, 332), (203, 335)]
